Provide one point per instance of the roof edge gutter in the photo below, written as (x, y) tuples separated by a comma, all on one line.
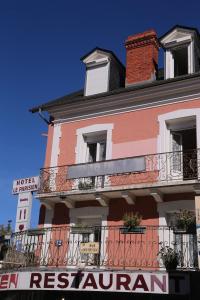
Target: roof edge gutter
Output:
[(48, 122)]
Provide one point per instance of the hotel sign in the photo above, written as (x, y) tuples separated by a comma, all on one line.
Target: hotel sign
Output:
[(22, 185), (134, 282)]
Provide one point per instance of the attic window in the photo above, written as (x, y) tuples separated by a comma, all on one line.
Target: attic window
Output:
[(180, 56), (182, 51)]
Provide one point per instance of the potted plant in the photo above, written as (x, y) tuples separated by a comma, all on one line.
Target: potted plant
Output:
[(83, 185), (170, 257), (80, 228), (185, 222), (132, 223)]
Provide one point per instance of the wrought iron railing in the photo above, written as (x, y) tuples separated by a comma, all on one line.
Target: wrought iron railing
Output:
[(170, 166), (106, 247)]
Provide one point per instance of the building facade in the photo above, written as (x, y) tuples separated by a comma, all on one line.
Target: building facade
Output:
[(125, 148)]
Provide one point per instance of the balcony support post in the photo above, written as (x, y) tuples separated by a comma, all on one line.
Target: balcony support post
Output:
[(47, 204), (103, 200), (130, 198), (157, 195), (68, 203)]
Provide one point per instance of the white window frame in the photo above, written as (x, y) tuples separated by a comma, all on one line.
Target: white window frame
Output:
[(163, 141), (81, 147), (94, 140), (164, 137), (169, 59)]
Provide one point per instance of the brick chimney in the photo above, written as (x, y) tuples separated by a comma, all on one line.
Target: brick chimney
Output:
[(141, 57)]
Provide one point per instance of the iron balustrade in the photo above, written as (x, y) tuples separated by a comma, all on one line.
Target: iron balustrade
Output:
[(96, 247), (151, 168)]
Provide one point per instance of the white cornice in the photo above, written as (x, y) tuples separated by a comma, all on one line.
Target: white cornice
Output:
[(130, 109)]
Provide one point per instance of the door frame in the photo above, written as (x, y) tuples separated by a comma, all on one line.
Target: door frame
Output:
[(90, 212), (172, 120)]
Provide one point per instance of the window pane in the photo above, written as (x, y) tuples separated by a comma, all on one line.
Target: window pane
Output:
[(92, 153), (102, 150)]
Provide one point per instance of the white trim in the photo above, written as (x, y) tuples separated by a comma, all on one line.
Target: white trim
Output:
[(128, 109), (93, 212), (163, 143), (54, 154), (81, 145), (191, 59), (48, 217), (55, 145), (169, 64), (181, 38)]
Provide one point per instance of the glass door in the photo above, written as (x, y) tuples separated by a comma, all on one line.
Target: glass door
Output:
[(90, 241), (176, 155), (184, 154)]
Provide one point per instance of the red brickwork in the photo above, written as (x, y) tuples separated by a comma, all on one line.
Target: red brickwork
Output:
[(141, 57)]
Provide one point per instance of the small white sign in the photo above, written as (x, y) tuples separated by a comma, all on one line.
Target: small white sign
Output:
[(23, 185), (24, 208)]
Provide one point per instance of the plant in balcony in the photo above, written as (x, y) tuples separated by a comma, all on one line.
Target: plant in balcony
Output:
[(132, 223), (5, 232), (36, 232), (170, 257), (185, 222), (5, 236), (81, 228), (84, 185)]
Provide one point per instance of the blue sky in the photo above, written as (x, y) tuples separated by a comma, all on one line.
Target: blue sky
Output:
[(41, 43)]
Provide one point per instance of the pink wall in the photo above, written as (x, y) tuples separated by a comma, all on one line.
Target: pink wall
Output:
[(138, 130), (134, 133), (136, 148)]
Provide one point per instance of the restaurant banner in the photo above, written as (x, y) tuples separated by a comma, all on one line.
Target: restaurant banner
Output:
[(105, 281)]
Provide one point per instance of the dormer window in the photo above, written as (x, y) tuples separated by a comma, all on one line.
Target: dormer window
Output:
[(180, 56), (182, 51), (104, 72)]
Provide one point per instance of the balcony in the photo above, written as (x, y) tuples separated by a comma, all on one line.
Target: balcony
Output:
[(132, 173), (98, 247)]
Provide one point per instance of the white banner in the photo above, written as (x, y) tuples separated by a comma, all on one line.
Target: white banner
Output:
[(135, 282)]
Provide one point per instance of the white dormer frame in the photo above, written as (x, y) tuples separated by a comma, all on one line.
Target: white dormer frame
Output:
[(96, 59), (178, 38)]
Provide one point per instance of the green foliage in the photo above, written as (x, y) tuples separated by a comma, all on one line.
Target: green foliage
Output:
[(85, 185), (169, 256), (186, 220), (2, 230), (132, 219), (5, 229)]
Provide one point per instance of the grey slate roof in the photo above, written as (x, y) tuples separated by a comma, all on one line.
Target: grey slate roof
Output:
[(79, 95)]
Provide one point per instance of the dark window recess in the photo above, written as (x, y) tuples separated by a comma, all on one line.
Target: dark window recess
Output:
[(180, 61), (92, 152)]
